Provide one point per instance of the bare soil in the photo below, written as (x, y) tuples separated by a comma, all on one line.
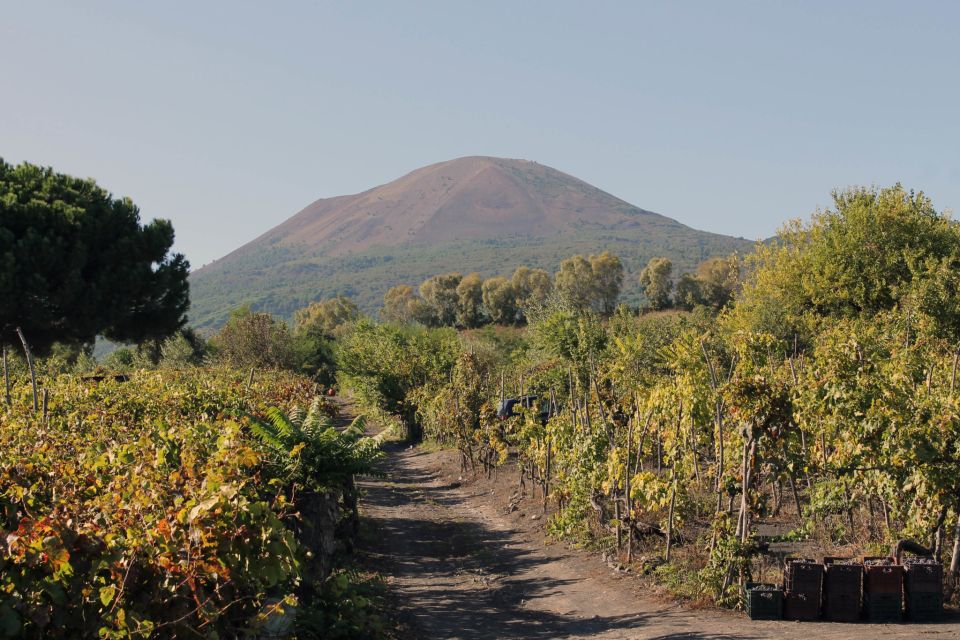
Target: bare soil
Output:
[(464, 560)]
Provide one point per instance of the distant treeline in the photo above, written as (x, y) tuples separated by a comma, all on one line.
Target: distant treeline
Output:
[(589, 282)]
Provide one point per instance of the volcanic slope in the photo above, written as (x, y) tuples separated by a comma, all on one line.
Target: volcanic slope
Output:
[(482, 214)]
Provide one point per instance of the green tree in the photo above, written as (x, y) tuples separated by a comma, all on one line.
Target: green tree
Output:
[(76, 263), (719, 279), (531, 287), (316, 328), (121, 359), (656, 282), (386, 364), (591, 282), (402, 305), (607, 280), (470, 301), (440, 293), (326, 318), (255, 339), (876, 250), (183, 349), (499, 299), (574, 281), (689, 292)]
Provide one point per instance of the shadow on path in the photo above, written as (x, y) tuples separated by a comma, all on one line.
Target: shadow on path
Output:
[(454, 576)]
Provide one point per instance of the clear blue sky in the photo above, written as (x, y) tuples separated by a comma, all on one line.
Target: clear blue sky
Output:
[(228, 117)]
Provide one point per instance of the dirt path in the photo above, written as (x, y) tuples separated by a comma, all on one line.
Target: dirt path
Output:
[(460, 566)]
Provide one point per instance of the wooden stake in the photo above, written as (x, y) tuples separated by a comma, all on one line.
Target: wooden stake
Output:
[(953, 376), (33, 374), (718, 421), (955, 560), (6, 376), (546, 482), (673, 500), (626, 486)]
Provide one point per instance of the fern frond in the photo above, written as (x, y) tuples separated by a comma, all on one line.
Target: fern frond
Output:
[(357, 428), (288, 431), (296, 416), (266, 433), (316, 421)]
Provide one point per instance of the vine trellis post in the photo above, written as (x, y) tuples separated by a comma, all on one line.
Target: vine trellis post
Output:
[(33, 373), (6, 376)]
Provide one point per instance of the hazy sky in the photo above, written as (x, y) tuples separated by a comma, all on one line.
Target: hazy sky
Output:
[(228, 117)]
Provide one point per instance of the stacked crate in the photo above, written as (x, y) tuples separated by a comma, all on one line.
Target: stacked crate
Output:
[(923, 586), (842, 587), (803, 584), (882, 589), (762, 601)]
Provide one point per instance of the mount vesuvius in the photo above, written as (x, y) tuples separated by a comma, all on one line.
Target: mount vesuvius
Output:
[(470, 214)]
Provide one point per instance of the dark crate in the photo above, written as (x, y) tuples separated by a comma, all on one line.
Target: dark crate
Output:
[(882, 578), (883, 607), (801, 606), (762, 601), (924, 607), (841, 607), (840, 577), (923, 578), (801, 575)]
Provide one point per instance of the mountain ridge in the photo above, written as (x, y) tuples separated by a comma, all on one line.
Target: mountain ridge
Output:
[(486, 209)]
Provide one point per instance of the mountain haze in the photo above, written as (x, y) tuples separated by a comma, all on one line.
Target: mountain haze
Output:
[(470, 214)]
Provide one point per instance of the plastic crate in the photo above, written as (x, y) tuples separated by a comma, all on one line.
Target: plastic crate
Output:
[(763, 601), (842, 576), (802, 575), (841, 607), (923, 577), (801, 606), (924, 607), (883, 607), (886, 578)]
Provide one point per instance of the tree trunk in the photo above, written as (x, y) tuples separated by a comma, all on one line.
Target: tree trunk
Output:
[(316, 529), (937, 535), (796, 497), (33, 373)]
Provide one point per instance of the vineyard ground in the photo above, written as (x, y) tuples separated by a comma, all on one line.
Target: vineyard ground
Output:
[(460, 564)]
